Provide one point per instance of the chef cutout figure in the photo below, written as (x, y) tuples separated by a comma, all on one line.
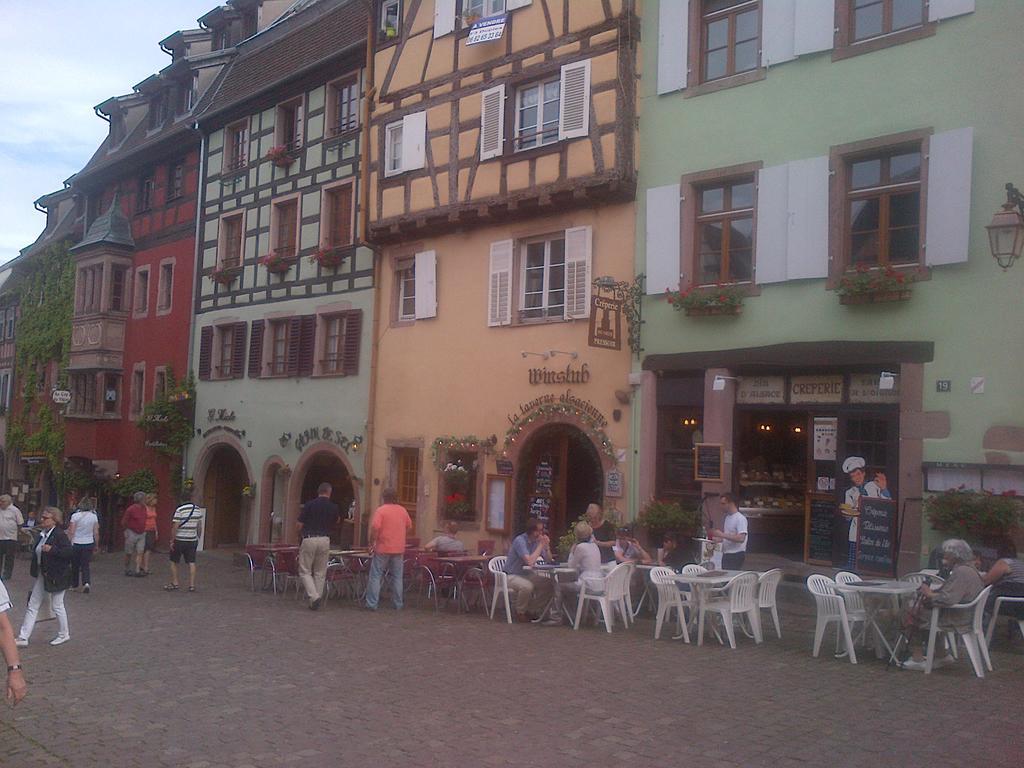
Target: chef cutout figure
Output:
[(859, 486)]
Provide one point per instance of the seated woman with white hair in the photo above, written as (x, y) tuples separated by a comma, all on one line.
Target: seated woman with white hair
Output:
[(585, 558), (963, 585)]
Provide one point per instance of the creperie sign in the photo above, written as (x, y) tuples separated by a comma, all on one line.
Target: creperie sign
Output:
[(816, 389)]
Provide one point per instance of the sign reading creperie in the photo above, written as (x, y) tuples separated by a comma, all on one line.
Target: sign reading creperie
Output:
[(816, 389)]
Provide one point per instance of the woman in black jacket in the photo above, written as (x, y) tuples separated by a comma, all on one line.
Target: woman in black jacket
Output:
[(51, 567)]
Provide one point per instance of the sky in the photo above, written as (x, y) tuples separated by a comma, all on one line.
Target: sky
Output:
[(59, 59)]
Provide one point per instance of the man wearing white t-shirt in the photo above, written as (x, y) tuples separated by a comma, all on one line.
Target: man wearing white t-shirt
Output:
[(16, 686), (733, 534)]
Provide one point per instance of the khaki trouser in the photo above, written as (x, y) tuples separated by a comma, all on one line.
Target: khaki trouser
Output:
[(313, 564), (532, 591)]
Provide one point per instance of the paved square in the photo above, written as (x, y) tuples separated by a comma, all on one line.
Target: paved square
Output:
[(225, 678)]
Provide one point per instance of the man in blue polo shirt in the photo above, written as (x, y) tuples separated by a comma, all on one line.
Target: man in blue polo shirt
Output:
[(533, 590)]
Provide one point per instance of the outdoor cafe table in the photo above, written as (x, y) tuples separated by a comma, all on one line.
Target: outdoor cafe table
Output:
[(556, 605), (462, 565), (878, 593)]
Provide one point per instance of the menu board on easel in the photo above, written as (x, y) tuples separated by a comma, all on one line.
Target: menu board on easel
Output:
[(876, 536), (707, 462), (819, 528)]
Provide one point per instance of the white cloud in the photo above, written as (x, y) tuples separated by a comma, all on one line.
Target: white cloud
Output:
[(58, 59)]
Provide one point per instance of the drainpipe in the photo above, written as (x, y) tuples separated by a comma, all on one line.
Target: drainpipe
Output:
[(364, 172), (197, 279)]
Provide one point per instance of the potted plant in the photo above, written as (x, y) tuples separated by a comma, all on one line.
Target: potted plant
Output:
[(457, 507), (873, 286), (390, 31), (225, 275), (281, 156), (661, 516), (277, 262), (701, 301), (327, 257), (976, 516), (456, 476)]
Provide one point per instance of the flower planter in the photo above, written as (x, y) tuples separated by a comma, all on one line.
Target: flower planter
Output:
[(881, 297), (283, 162), (226, 276), (708, 311), (329, 259), (279, 267)]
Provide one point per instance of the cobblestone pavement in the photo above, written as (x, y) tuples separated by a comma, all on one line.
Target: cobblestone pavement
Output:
[(225, 678)]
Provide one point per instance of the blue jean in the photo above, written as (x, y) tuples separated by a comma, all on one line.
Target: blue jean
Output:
[(394, 566)]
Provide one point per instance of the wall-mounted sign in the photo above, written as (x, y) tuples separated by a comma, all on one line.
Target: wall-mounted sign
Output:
[(567, 375), (486, 30), (613, 484), (825, 431), (816, 389), (504, 467), (761, 390), (707, 462), (326, 434), (605, 323), (61, 396), (864, 389), (220, 414), (944, 385)]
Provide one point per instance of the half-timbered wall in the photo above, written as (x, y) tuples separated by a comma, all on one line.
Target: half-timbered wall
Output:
[(435, 85)]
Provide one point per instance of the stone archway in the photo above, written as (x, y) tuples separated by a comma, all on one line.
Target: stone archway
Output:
[(221, 472), (323, 462), (273, 500)]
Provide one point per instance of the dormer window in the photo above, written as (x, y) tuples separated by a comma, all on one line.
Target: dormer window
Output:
[(250, 24), (186, 96), (118, 128), (157, 110)]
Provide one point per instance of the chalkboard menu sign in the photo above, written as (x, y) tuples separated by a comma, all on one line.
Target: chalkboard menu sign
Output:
[(876, 536), (707, 462), (820, 528)]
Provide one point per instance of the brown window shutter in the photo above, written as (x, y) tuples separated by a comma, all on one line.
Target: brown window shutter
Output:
[(307, 344), (205, 352), (238, 351), (294, 343), (256, 349), (353, 334)]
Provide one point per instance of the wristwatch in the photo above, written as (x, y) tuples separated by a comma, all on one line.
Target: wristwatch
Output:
[(12, 667)]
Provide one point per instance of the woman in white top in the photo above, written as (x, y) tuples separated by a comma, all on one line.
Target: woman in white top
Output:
[(84, 531), (585, 557)]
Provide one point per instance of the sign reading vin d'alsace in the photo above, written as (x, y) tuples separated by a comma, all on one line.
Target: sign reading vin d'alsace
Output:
[(486, 30)]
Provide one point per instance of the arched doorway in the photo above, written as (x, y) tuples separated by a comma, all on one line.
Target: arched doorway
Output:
[(326, 467), (559, 474), (222, 495)]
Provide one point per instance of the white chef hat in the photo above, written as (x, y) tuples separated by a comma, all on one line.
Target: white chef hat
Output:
[(852, 463)]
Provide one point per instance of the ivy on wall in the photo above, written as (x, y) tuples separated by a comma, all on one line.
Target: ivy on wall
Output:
[(45, 295), (167, 422)]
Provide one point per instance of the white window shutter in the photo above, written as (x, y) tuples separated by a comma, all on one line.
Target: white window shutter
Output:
[(414, 139), (944, 9), (426, 284), (574, 109), (511, 5), (815, 27), (772, 237), (499, 290), (778, 25), (444, 17), (662, 239), (673, 37), (807, 241), (578, 242), (492, 122), (947, 220)]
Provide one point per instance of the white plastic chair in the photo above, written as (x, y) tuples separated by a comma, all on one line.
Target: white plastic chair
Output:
[(611, 596), (496, 565), (995, 615), (740, 597), (669, 599), (767, 586), (832, 608), (918, 578), (974, 638)]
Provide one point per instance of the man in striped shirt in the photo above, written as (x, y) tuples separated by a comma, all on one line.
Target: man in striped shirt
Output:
[(186, 530)]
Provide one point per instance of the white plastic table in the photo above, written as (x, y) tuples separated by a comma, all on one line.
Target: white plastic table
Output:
[(877, 588)]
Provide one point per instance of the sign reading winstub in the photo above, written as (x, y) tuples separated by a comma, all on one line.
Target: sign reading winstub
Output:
[(761, 389), (486, 30)]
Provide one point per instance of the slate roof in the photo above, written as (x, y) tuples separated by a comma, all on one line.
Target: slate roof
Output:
[(322, 33), (112, 228)]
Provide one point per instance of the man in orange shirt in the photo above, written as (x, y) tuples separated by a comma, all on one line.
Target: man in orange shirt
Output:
[(388, 528)]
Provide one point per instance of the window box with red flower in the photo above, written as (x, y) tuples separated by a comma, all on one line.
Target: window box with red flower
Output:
[(282, 156), (459, 488), (702, 301), (874, 286), (226, 275), (331, 258), (278, 261)]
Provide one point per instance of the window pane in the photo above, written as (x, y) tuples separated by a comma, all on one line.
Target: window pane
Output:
[(740, 234), (746, 56), (867, 21), (714, 64), (905, 167), (718, 34), (710, 252), (743, 195), (712, 200), (710, 6), (866, 173), (746, 26), (906, 13), (903, 246), (864, 249), (905, 210), (864, 215), (740, 267)]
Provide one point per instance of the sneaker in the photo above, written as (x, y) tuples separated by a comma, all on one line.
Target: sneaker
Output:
[(85, 589), (551, 622), (913, 664), (59, 640), (314, 605), (21, 642)]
